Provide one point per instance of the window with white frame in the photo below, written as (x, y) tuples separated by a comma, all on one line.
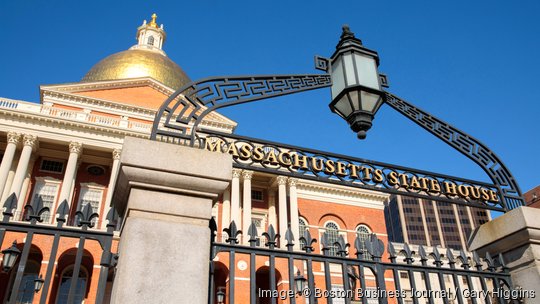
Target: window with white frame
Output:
[(332, 233), (363, 232), (257, 195), (47, 190), (90, 195), (49, 165), (302, 226), (259, 220)]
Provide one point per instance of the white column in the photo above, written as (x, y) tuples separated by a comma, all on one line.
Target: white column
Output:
[(110, 188), (10, 176), (235, 197), (26, 182), (282, 203), (226, 210), (29, 142), (75, 150), (272, 217), (246, 215), (12, 142), (293, 205)]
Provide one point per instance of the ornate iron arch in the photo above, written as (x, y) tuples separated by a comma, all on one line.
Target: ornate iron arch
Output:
[(179, 119)]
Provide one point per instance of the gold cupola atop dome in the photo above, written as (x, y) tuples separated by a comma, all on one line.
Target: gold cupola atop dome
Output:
[(145, 59)]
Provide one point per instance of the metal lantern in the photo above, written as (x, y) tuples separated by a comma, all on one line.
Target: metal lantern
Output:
[(38, 283), (10, 256), (356, 86), (220, 295), (299, 281)]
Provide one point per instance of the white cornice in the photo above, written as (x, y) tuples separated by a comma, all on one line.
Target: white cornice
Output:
[(68, 98), (338, 194), (54, 128), (97, 104), (109, 84)]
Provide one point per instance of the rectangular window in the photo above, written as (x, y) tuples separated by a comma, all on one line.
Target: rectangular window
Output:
[(48, 165), (259, 220), (257, 195), (93, 197), (47, 192)]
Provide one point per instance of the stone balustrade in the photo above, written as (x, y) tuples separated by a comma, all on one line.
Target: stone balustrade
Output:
[(107, 121)]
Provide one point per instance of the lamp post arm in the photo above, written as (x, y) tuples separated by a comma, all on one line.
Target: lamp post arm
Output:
[(467, 145), (179, 116)]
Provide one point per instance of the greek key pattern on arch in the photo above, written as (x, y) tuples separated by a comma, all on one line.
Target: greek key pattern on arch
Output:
[(468, 146), (179, 117)]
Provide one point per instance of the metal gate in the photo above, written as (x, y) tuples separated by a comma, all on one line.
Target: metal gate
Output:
[(31, 230), (370, 275)]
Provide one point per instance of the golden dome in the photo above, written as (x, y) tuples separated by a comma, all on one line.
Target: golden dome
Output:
[(135, 63)]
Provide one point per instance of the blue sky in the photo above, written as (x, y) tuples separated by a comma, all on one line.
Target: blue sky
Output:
[(474, 64)]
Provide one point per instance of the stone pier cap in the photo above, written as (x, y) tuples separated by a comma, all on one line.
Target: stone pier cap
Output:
[(513, 229), (170, 168)]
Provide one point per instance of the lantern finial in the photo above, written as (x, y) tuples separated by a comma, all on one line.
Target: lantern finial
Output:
[(347, 34)]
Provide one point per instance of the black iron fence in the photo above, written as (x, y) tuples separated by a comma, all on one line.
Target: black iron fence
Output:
[(66, 276), (295, 274)]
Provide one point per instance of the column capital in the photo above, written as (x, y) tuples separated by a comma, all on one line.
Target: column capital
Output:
[(75, 147), (13, 137), (247, 174), (292, 181), (236, 173), (30, 140), (116, 154), (281, 180)]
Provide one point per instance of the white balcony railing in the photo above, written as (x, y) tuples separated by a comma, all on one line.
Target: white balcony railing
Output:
[(101, 120)]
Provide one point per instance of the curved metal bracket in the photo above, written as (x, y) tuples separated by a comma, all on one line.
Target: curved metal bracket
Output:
[(466, 145), (178, 119)]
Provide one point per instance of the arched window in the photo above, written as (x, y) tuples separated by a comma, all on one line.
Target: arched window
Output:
[(65, 283), (332, 232), (26, 289), (302, 226), (151, 40), (363, 232)]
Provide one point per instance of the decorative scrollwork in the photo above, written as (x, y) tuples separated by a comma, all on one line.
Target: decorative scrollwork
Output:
[(468, 146), (307, 241), (271, 237), (179, 117), (85, 216), (34, 211), (179, 121), (233, 233)]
